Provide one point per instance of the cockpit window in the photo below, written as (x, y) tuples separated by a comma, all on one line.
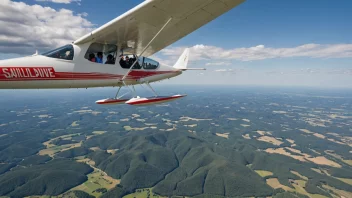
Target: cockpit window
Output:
[(150, 64), (66, 52), (101, 53)]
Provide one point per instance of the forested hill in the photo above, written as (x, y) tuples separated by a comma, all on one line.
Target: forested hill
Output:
[(240, 142), (176, 164)]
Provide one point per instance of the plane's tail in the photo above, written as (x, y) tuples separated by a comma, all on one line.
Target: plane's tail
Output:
[(182, 62)]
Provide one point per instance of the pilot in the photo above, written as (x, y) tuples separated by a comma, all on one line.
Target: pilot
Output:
[(110, 60), (69, 55), (92, 57), (133, 59), (99, 58)]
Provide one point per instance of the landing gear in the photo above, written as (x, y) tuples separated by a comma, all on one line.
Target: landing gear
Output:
[(139, 101), (153, 100), (117, 92), (151, 88), (113, 101)]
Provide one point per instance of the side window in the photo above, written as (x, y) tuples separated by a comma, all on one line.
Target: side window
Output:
[(126, 61), (66, 52), (101, 53), (150, 64)]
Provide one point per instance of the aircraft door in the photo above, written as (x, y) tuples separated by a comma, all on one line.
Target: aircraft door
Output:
[(97, 66)]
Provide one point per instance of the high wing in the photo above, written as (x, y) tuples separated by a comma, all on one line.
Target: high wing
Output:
[(133, 30)]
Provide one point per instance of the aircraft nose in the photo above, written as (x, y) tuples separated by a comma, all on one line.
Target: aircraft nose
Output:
[(15, 62), (2, 62), (7, 62)]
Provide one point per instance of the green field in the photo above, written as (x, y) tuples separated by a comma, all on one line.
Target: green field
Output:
[(143, 193), (264, 173), (97, 180)]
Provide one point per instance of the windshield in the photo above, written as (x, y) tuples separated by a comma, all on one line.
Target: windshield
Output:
[(66, 52), (150, 64)]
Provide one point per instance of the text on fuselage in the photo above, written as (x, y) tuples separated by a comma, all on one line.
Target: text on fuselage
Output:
[(27, 72)]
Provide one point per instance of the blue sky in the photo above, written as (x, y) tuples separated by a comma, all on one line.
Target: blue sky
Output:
[(275, 23), (270, 26)]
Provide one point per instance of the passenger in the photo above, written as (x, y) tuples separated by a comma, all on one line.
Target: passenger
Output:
[(123, 63), (92, 57), (99, 58), (110, 60)]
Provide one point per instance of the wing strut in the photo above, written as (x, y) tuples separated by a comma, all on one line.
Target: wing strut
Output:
[(146, 47), (156, 95)]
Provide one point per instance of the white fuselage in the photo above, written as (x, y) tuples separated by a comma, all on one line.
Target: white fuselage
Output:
[(41, 72)]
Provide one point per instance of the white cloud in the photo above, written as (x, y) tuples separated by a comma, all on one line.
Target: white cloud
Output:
[(61, 1), (309, 71), (26, 28), (341, 71), (223, 70), (260, 52), (218, 64), (232, 71)]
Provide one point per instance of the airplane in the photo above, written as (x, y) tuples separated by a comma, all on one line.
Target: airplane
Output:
[(116, 54)]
